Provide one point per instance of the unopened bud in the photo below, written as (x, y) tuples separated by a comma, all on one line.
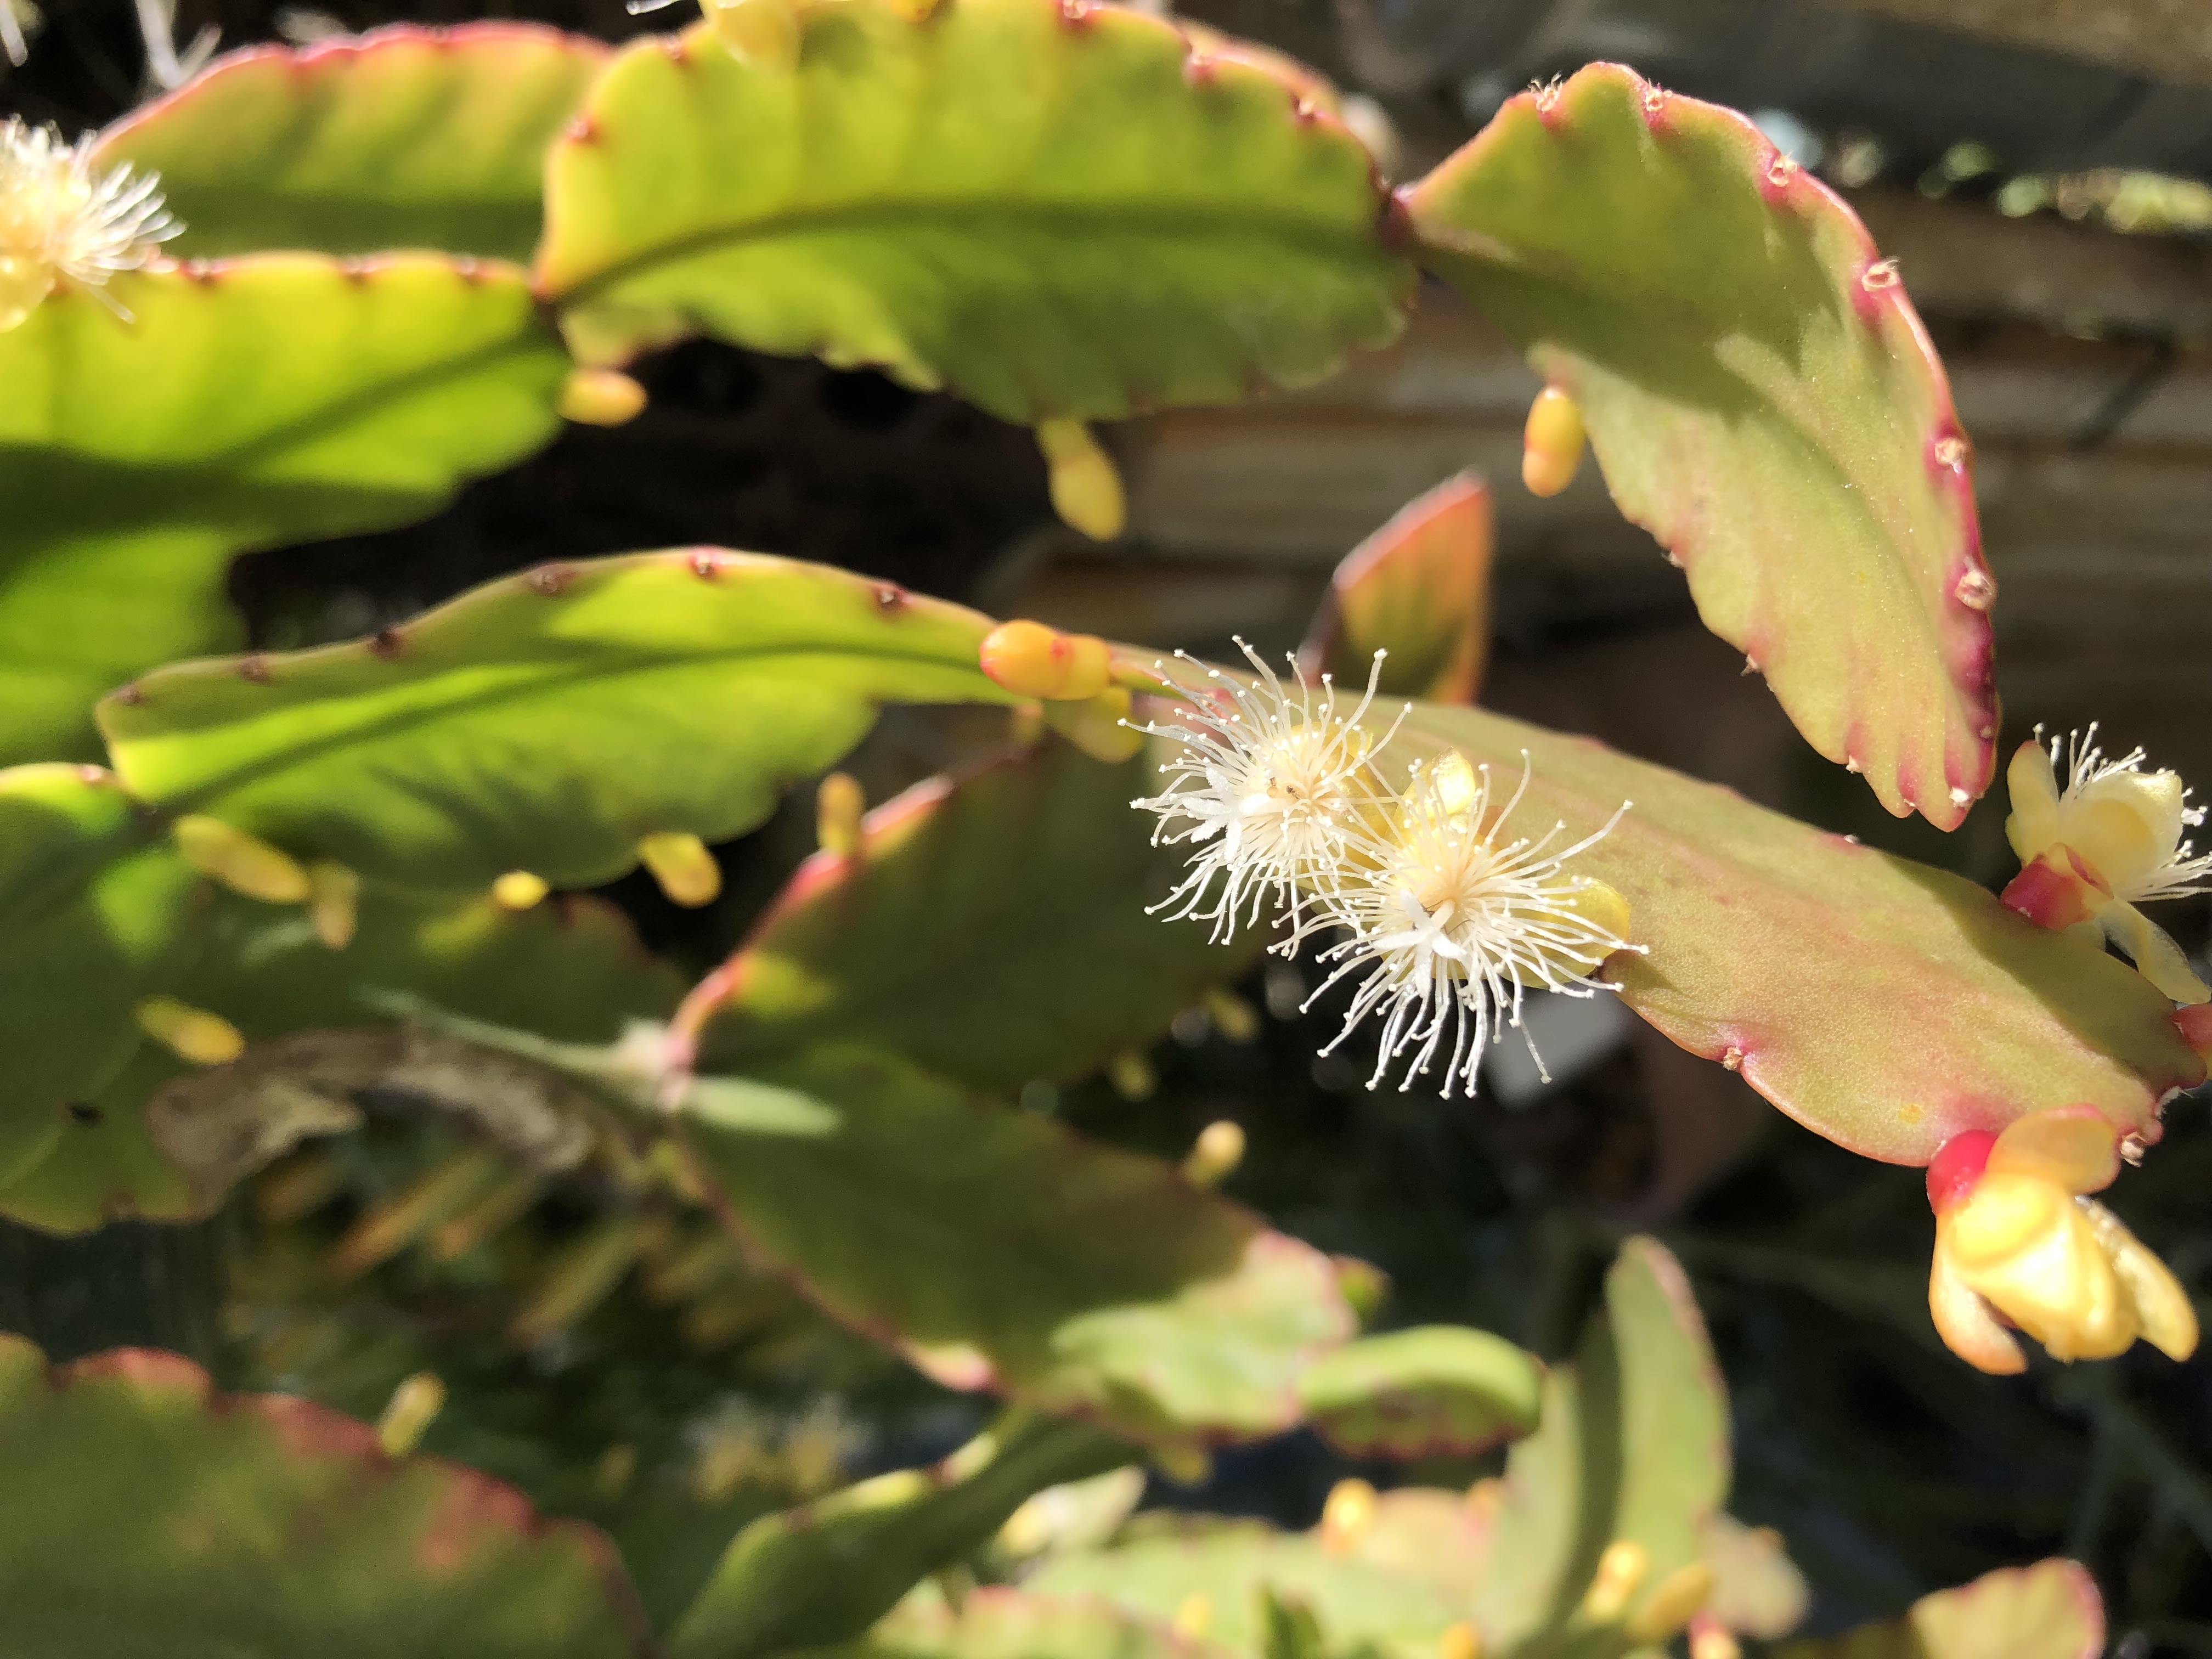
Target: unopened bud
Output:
[(762, 34), (414, 1404), (1552, 442), (1456, 782), (1131, 1075), (1033, 660), (1099, 725), (1710, 1639), (1461, 1640), (1185, 1464), (1347, 1515), (684, 868), (599, 397), (518, 889), (190, 1033), (333, 896), (1619, 1573), (839, 804), (1681, 1595), (1219, 1149), (245, 864), (1087, 490)]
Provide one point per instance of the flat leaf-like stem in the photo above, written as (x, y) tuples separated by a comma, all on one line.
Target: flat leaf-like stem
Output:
[(150, 1515), (571, 969), (821, 1574), (1885, 1004), (999, 1622), (91, 917), (990, 926), (1362, 1599), (1436, 1390), (405, 138), (547, 721), (1762, 398), (998, 1250), (1052, 209), (1633, 1446), (248, 403), (1418, 590), (2049, 1611)]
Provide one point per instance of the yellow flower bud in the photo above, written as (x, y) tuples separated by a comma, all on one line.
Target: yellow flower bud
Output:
[(1619, 1574), (1347, 1515), (600, 396), (245, 864), (682, 864), (1552, 442), (190, 1033), (518, 889), (839, 806), (333, 896), (1033, 660), (1087, 490), (414, 1404), (1098, 726), (1218, 1150)]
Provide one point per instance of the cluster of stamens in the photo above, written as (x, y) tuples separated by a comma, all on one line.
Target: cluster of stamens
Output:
[(1441, 915)]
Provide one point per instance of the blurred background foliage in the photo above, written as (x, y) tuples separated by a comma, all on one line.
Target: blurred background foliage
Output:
[(600, 1346)]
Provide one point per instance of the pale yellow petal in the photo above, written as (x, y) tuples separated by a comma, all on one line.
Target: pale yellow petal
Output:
[(2074, 1147), (2033, 787), (1967, 1326), (2156, 956)]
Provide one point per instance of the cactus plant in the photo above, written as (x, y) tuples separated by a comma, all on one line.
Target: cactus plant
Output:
[(335, 891)]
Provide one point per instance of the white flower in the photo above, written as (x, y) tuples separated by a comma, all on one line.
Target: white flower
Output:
[(1451, 922), (59, 221), (1269, 788), (2110, 840)]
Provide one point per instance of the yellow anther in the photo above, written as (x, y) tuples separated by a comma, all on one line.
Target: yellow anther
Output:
[(1552, 442), (1099, 725), (1461, 1640), (839, 804), (1680, 1596), (414, 1404), (333, 897), (1131, 1075), (518, 889), (682, 864), (1087, 490), (245, 864), (1347, 1516), (1619, 1574), (191, 1034), (599, 397), (1193, 1616), (1219, 1149), (764, 33)]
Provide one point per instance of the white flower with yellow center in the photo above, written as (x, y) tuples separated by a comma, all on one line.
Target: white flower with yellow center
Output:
[(1451, 922), (1270, 787), (60, 221), (2112, 839)]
